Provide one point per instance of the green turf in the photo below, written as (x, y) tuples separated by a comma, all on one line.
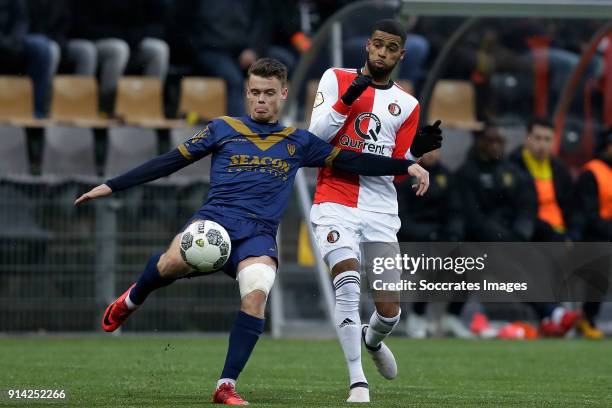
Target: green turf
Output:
[(181, 372)]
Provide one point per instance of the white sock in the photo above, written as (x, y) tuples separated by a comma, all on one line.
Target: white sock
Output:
[(226, 380), (379, 329), (348, 323), (130, 305)]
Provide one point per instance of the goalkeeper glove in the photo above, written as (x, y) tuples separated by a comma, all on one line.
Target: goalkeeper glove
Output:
[(427, 138)]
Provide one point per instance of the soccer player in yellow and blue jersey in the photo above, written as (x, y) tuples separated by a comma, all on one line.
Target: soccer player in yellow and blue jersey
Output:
[(254, 163)]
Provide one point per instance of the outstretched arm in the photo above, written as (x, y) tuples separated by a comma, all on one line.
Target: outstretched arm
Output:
[(368, 164), (198, 146), (318, 153), (158, 167)]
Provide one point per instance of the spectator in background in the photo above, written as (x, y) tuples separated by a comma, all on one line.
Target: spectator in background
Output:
[(498, 199), (119, 29), (501, 199), (551, 181), (594, 195), (226, 38), (20, 49), (435, 216), (287, 40), (53, 18), (594, 191), (532, 50), (553, 186)]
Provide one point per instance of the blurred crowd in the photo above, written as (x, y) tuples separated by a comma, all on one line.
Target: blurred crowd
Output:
[(520, 196), (145, 37), (221, 39)]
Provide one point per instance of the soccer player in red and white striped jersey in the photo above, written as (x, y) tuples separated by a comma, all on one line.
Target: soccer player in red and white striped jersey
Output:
[(363, 110)]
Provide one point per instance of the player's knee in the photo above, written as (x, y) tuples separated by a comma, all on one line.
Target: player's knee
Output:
[(256, 278), (172, 266), (342, 260), (388, 309), (254, 303)]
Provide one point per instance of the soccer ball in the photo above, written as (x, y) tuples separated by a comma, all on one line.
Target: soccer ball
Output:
[(205, 246)]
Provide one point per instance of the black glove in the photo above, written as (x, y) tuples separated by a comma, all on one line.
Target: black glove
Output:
[(356, 88), (427, 138)]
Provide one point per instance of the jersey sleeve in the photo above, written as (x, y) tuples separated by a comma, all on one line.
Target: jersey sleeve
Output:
[(329, 112), (322, 154), (318, 153), (201, 144), (405, 136)]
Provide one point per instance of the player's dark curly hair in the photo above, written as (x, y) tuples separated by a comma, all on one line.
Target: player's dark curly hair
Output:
[(390, 26), (269, 68)]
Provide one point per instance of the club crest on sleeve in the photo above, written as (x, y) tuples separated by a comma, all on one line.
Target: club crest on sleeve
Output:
[(291, 149), (202, 134), (318, 99), (333, 236), (394, 109)]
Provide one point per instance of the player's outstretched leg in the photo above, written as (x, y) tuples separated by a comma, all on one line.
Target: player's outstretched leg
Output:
[(161, 270), (376, 331), (255, 278)]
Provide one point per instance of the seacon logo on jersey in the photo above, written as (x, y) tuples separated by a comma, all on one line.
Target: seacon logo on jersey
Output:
[(369, 136), (260, 164)]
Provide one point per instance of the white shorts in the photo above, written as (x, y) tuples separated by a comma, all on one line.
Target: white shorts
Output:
[(338, 226)]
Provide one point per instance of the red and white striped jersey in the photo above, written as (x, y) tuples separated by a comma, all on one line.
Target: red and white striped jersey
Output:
[(383, 120)]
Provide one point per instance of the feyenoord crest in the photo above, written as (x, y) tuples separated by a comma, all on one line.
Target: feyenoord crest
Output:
[(291, 149), (394, 109), (333, 236)]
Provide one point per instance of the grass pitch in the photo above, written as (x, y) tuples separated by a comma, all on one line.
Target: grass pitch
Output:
[(181, 372)]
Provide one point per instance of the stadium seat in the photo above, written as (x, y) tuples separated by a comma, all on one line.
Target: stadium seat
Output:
[(75, 98), (204, 96), (68, 151), (454, 103), (13, 151), (16, 98), (128, 147), (196, 172), (139, 100)]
